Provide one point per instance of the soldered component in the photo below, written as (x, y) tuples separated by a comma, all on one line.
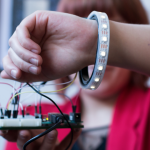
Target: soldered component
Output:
[(54, 117), (76, 117)]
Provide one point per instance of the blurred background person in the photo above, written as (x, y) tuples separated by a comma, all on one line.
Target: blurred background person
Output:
[(95, 134), (83, 7), (99, 132)]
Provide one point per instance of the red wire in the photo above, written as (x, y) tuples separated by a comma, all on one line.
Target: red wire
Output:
[(7, 84), (11, 94)]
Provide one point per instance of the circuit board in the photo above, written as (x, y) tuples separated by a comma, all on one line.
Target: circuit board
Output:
[(31, 122), (44, 126), (41, 127)]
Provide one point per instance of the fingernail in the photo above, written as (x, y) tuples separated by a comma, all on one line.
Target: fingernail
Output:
[(34, 61), (14, 73), (33, 70), (23, 134), (3, 132), (34, 51), (52, 135)]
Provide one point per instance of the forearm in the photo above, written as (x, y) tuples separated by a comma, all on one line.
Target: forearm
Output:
[(69, 44), (130, 46)]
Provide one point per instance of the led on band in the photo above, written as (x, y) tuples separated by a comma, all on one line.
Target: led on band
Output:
[(94, 81)]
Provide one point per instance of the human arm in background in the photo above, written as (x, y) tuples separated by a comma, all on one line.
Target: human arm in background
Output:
[(66, 43)]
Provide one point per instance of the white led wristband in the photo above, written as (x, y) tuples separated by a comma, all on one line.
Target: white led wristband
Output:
[(102, 53)]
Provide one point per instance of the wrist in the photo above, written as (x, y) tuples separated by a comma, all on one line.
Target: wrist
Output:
[(102, 51), (93, 33), (114, 56)]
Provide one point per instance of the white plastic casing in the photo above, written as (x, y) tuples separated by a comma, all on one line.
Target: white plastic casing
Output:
[(21, 122), (102, 50)]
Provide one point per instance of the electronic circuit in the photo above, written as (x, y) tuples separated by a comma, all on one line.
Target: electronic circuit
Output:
[(11, 119), (32, 122)]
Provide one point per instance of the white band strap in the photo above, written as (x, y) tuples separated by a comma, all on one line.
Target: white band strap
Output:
[(102, 53)]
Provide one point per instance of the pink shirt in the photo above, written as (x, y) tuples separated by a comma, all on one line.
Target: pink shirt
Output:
[(130, 128)]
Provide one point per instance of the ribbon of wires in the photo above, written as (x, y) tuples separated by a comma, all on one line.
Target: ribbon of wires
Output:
[(42, 134)]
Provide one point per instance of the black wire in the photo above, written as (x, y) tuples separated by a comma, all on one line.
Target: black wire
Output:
[(42, 134), (2, 112), (43, 83), (40, 107), (59, 111)]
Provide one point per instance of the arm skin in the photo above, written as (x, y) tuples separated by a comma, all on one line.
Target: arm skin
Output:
[(66, 43), (129, 47)]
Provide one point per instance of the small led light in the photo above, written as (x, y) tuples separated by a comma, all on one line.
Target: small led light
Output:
[(100, 68), (96, 79), (92, 87), (104, 26), (103, 17), (104, 39), (103, 53)]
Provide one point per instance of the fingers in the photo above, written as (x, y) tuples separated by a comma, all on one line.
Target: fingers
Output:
[(10, 69), (23, 53), (26, 135), (22, 58), (63, 145), (23, 65), (23, 137), (50, 140), (23, 32), (9, 135), (13, 66), (12, 72), (4, 75), (3, 132)]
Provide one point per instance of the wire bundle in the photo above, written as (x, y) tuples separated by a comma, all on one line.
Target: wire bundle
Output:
[(52, 128), (17, 93)]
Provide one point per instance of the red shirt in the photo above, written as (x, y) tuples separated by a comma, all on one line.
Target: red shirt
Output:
[(130, 128)]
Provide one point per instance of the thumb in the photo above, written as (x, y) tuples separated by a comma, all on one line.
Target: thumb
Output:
[(63, 145), (50, 140)]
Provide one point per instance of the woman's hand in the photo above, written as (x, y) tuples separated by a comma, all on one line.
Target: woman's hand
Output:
[(47, 142), (49, 45)]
